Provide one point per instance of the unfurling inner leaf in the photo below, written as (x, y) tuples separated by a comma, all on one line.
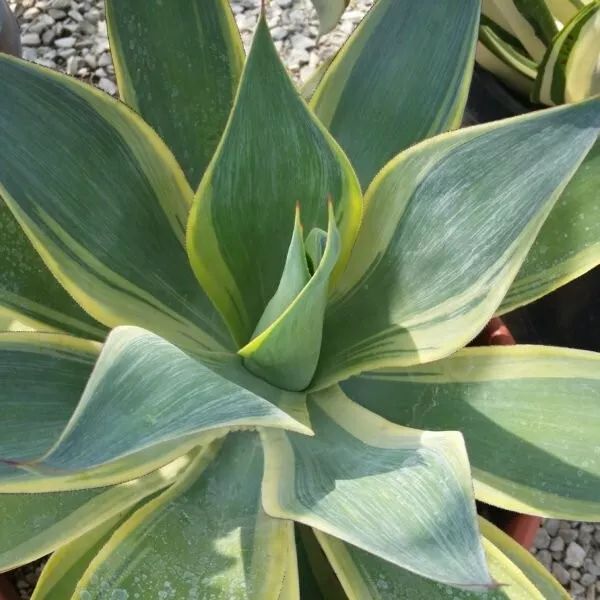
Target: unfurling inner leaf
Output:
[(315, 244), (286, 343), (295, 276)]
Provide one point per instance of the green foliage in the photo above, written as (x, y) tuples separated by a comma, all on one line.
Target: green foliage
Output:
[(545, 49), (288, 290)]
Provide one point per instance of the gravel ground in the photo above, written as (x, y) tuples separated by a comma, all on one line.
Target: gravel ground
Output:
[(571, 551), (70, 35)]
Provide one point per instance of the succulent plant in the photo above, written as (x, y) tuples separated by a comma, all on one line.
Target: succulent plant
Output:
[(229, 311), (548, 50)]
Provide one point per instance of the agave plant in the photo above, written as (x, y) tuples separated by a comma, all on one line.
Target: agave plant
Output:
[(250, 312), (547, 50), (10, 41)]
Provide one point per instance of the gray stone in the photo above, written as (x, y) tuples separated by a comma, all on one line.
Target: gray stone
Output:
[(574, 555), (567, 534), (29, 53), (302, 42), (66, 42), (297, 17), (576, 588), (87, 29), (42, 23), (92, 16), (51, 54), (104, 60), (108, 86), (72, 65), (48, 36), (591, 593), (102, 30), (57, 14), (31, 39), (101, 45), (575, 574), (551, 526), (279, 33), (61, 4), (69, 27), (542, 539), (66, 52), (584, 538), (298, 57), (46, 62), (31, 13), (545, 558), (589, 566), (90, 61), (557, 544), (75, 15), (587, 579), (561, 573)]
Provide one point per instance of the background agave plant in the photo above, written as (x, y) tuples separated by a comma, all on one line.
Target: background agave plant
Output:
[(280, 345), (547, 49)]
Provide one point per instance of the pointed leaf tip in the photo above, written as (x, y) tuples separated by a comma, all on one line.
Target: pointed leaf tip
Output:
[(270, 125)]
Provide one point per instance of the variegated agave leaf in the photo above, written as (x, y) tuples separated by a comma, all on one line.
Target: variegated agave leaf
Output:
[(287, 286)]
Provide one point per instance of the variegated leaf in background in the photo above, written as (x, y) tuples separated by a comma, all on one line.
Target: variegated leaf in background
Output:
[(570, 69), (546, 49), (329, 13)]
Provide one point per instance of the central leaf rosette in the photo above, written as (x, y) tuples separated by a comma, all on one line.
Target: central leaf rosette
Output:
[(268, 274), (286, 343)]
